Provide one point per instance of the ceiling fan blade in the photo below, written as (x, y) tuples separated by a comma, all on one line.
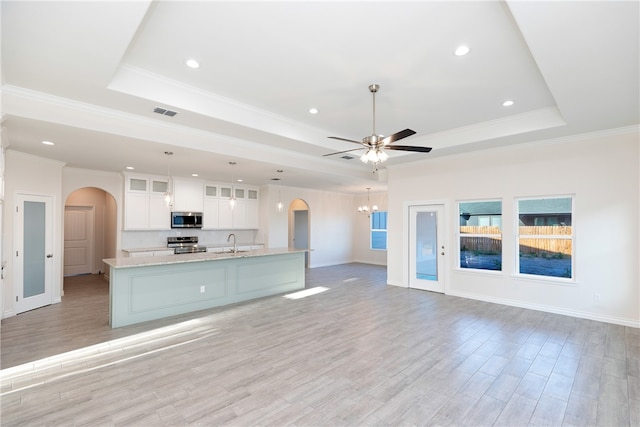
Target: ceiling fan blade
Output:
[(345, 139), (340, 152), (408, 148), (397, 136)]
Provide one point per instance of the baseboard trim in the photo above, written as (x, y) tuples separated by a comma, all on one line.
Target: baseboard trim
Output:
[(550, 309), (7, 314)]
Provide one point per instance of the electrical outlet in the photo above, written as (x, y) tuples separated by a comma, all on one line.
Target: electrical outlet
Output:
[(202, 289)]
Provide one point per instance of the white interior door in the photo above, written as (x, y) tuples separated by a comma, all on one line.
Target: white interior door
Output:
[(426, 247), (34, 252), (78, 240)]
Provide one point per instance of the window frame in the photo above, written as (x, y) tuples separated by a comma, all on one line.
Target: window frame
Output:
[(378, 230), (572, 237), (459, 235)]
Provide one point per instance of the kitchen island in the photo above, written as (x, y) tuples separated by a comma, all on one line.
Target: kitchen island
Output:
[(154, 287)]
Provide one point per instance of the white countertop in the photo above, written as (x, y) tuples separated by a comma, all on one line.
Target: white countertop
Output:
[(127, 262)]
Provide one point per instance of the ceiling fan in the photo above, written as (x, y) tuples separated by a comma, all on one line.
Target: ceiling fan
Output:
[(376, 144)]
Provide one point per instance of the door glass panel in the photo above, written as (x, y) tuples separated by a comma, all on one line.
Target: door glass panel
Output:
[(34, 248), (426, 246)]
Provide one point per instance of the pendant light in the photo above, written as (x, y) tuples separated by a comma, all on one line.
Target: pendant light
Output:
[(232, 199), (365, 209), (280, 205), (168, 196)]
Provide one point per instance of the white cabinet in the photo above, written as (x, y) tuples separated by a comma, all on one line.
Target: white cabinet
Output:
[(144, 205), (163, 252), (219, 249), (210, 208), (140, 254), (187, 195), (245, 211), (250, 247), (225, 211), (253, 208)]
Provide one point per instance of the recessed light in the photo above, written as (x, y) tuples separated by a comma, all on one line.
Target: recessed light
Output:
[(194, 174), (48, 143), (313, 111), (239, 180), (461, 50), (192, 63), (129, 168), (507, 103)]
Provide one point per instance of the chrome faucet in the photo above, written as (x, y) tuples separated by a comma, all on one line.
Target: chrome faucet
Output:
[(235, 246)]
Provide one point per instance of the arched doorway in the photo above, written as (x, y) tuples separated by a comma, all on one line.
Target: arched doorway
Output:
[(299, 226), (90, 231)]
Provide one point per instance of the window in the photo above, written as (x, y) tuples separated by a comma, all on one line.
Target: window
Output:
[(545, 237), (379, 230), (481, 235)]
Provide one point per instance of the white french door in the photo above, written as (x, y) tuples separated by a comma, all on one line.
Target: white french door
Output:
[(33, 261), (426, 247)]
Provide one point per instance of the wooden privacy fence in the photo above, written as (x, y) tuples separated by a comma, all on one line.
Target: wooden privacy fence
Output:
[(539, 240), (490, 243)]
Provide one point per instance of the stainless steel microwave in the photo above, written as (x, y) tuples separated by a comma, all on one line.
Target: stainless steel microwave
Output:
[(186, 219)]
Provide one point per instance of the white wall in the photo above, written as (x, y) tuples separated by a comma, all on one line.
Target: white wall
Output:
[(29, 174), (330, 220), (602, 171)]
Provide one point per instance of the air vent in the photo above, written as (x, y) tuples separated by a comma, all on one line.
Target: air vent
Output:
[(164, 111), (347, 157)]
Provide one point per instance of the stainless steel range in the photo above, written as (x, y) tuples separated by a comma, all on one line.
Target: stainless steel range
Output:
[(185, 244)]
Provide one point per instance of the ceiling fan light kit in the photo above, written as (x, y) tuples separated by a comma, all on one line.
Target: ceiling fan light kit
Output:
[(375, 144)]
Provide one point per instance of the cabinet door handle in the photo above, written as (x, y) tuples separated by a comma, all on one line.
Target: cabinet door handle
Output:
[(49, 255)]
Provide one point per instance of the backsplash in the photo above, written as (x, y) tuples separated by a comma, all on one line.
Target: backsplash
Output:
[(158, 238)]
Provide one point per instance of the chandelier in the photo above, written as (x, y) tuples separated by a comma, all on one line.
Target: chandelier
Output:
[(365, 209)]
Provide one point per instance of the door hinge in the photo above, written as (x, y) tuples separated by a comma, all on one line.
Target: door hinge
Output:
[(16, 298), (17, 253)]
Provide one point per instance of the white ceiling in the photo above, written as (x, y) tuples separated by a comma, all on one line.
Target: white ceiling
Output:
[(87, 76)]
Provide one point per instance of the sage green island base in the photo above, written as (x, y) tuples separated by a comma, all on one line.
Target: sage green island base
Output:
[(148, 288)]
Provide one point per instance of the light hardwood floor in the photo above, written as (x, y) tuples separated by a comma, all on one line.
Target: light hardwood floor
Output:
[(360, 353)]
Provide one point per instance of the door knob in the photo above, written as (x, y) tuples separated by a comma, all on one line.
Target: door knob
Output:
[(49, 255)]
